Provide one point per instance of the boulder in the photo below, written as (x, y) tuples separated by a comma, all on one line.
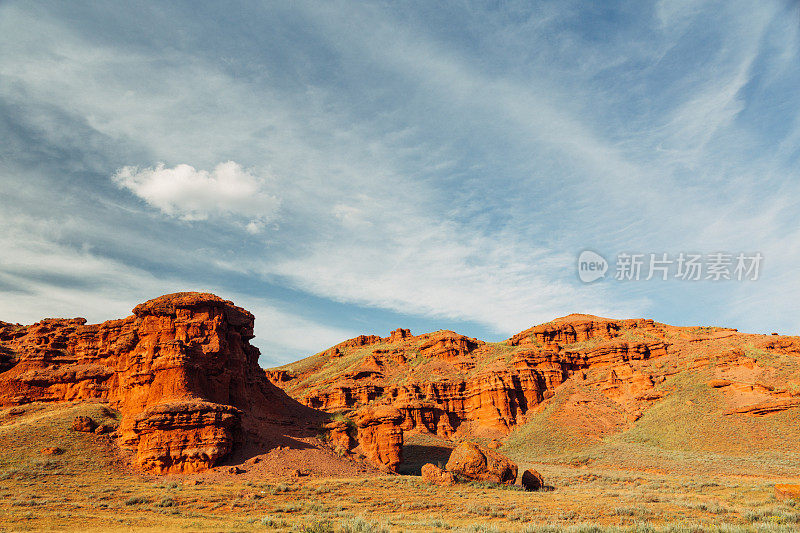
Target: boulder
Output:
[(84, 424), (478, 463), (436, 476), (532, 480), (52, 450)]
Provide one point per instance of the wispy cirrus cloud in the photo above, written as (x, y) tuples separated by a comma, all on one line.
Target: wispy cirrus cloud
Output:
[(435, 165)]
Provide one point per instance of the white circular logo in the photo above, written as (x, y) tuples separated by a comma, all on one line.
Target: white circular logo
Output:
[(591, 266)]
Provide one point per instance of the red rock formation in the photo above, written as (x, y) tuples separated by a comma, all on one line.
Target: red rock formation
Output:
[(361, 340), (767, 407), (340, 435), (456, 387), (399, 334), (180, 370), (576, 328), (440, 383), (380, 437), (447, 345), (204, 433), (436, 476), (471, 461)]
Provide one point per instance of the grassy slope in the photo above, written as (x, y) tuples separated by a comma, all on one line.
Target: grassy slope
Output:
[(687, 431), (87, 488)]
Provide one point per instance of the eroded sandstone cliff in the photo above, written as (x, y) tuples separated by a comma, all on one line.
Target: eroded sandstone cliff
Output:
[(180, 370), (457, 387)]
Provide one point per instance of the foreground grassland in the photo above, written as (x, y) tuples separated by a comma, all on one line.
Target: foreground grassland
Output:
[(88, 488)]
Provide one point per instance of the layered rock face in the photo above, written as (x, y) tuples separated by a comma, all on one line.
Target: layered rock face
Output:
[(457, 387), (448, 384), (180, 370), (379, 436)]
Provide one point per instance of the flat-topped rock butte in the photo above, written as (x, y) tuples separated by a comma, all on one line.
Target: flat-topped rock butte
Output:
[(190, 393), (180, 370)]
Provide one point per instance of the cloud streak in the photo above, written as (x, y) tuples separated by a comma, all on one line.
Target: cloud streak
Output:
[(392, 162)]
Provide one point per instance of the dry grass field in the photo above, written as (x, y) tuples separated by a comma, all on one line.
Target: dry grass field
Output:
[(620, 486)]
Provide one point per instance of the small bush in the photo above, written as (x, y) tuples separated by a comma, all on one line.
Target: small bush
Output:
[(167, 502), (288, 508), (277, 489), (360, 525), (495, 486), (317, 526), (638, 512), (136, 500), (269, 521)]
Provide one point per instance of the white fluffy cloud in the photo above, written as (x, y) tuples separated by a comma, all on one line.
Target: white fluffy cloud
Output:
[(192, 194)]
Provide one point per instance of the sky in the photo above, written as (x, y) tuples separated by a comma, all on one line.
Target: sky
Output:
[(340, 168)]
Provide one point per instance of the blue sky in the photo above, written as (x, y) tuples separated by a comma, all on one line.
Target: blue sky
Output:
[(343, 168)]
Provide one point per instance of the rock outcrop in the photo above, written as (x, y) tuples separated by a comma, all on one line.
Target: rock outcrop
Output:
[(449, 384), (436, 476), (380, 437), (181, 372), (532, 480), (456, 387), (472, 461), (186, 381), (84, 424)]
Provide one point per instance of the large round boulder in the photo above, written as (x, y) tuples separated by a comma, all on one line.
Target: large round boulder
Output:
[(83, 424), (478, 463), (436, 476), (532, 480)]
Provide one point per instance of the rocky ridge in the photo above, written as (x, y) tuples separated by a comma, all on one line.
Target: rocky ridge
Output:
[(458, 388)]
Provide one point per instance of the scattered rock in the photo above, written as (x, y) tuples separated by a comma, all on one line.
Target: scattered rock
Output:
[(494, 444), (103, 428), (787, 492), (532, 480), (83, 424), (436, 476), (236, 470), (297, 472), (52, 450), (471, 461)]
